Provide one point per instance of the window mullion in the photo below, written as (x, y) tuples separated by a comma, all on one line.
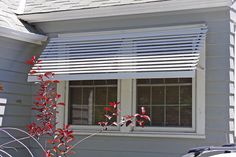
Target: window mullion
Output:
[(126, 100), (60, 109), (151, 105), (165, 105), (179, 107)]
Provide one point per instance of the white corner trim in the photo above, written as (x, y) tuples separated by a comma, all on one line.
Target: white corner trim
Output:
[(22, 36), (21, 7), (3, 100), (2, 110), (144, 8)]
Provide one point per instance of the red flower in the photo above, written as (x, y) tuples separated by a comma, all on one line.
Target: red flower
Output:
[(107, 108), (114, 104)]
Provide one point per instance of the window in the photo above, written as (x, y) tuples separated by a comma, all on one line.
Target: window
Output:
[(162, 69), (167, 101), (87, 100), (170, 102)]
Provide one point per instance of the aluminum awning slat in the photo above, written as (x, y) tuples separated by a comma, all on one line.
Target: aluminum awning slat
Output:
[(173, 50)]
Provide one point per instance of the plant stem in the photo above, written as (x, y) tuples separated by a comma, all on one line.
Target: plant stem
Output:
[(80, 141), (10, 128), (18, 141), (5, 153)]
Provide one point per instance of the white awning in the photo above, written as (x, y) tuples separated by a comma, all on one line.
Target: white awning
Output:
[(141, 53)]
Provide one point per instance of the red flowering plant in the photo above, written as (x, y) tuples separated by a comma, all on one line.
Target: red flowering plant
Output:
[(45, 106), (113, 111)]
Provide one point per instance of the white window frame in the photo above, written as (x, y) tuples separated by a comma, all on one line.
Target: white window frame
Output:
[(128, 106)]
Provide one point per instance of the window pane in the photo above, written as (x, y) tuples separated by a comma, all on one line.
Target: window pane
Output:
[(100, 95), (186, 116), (99, 114), (143, 81), (172, 95), (158, 95), (76, 95), (87, 82), (143, 95), (147, 109), (169, 101), (75, 82), (172, 116), (157, 118), (80, 114), (171, 80), (100, 82), (157, 81), (186, 94), (112, 82), (185, 80), (112, 94), (88, 94), (87, 101)]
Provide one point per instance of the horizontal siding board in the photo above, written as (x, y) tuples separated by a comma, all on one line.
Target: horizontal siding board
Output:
[(216, 100), (18, 55), (216, 38), (16, 98), (13, 65), (215, 115), (10, 76), (22, 152), (216, 75), (17, 88), (217, 88), (85, 153), (217, 63), (18, 45), (15, 121), (217, 50), (16, 110), (214, 123)]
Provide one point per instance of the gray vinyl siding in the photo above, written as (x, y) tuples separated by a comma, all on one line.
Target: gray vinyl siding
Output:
[(17, 91), (218, 82)]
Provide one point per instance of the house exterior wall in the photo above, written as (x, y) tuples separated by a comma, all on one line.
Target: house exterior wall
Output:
[(218, 82), (17, 91)]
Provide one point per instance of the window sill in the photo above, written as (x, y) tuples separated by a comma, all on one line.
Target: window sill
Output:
[(143, 134)]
